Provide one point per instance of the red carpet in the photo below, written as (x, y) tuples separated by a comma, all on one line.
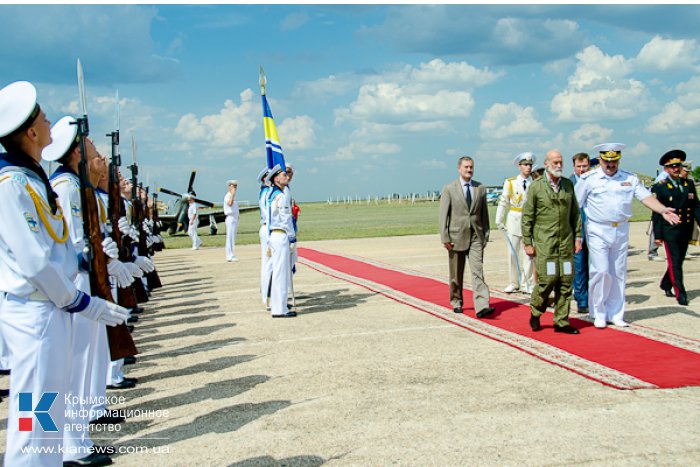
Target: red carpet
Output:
[(617, 358)]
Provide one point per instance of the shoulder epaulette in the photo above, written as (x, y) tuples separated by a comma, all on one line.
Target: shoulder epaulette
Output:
[(587, 174), (512, 178)]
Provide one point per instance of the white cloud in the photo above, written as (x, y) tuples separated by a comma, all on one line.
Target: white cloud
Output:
[(681, 114), (361, 150), (504, 121), (294, 21), (590, 134), (600, 90), (667, 54), (297, 132), (226, 131)]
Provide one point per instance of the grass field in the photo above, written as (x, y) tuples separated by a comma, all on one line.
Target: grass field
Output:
[(321, 221)]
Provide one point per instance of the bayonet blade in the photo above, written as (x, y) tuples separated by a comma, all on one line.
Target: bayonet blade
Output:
[(81, 90)]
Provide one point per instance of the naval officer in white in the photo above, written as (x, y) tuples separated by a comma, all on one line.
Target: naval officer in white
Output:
[(606, 194)]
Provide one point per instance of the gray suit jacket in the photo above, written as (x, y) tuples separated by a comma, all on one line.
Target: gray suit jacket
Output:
[(457, 222)]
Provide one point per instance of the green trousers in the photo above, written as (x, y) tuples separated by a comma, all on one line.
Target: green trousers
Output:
[(561, 287)]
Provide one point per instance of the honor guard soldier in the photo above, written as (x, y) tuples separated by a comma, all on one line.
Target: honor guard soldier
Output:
[(281, 236), (520, 272), (231, 212), (193, 221), (679, 193), (605, 195), (39, 299), (265, 263)]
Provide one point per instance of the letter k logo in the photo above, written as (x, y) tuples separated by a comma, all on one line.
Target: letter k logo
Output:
[(41, 411)]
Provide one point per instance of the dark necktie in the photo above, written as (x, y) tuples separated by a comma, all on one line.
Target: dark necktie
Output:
[(469, 196), (524, 185)]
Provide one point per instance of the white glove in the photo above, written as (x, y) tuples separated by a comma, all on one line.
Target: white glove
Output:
[(109, 246), (159, 239), (501, 226), (105, 312), (119, 271), (149, 241), (134, 270), (134, 234), (108, 227), (146, 227), (124, 226), (144, 263)]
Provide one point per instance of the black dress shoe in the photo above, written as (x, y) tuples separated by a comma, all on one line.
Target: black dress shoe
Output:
[(289, 314), (136, 310), (4, 392), (457, 310), (583, 310), (669, 293), (135, 380), (93, 460), (130, 327), (4, 372), (126, 384), (133, 319), (485, 312), (566, 329), (129, 360), (535, 323), (683, 300)]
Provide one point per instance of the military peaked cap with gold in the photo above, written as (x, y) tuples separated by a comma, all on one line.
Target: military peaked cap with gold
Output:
[(610, 151), (673, 157)]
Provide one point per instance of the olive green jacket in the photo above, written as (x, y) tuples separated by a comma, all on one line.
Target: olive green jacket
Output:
[(551, 221)]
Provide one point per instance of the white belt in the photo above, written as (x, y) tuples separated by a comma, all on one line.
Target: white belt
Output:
[(613, 224), (34, 296)]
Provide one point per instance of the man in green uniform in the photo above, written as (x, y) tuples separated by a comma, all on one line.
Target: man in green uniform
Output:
[(551, 227)]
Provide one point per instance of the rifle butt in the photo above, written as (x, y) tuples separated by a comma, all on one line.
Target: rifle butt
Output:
[(121, 344)]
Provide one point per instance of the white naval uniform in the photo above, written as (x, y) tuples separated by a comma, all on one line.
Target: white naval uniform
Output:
[(265, 261), (192, 226), (36, 280), (607, 202), (90, 340), (281, 231), (513, 199), (231, 213), (293, 255)]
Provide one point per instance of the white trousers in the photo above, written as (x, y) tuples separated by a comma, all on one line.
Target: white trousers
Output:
[(192, 232), (231, 227), (77, 442), (279, 243), (607, 271), (265, 264), (527, 265), (4, 354), (39, 337)]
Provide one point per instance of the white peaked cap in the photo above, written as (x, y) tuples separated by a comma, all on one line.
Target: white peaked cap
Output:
[(17, 103), (524, 156), (63, 133)]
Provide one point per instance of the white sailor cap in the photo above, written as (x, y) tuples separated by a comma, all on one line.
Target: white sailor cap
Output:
[(232, 182), (273, 171), (18, 107), (64, 134), (524, 156), (610, 151), (262, 174), (288, 167)]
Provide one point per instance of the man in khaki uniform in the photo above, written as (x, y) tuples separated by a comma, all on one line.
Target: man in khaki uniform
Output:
[(551, 227), (464, 232), (508, 217)]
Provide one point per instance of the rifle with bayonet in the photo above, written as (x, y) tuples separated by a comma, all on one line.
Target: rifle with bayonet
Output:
[(120, 342), (137, 220), (126, 296)]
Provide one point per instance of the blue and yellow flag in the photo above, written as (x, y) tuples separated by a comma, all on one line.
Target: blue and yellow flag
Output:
[(272, 141)]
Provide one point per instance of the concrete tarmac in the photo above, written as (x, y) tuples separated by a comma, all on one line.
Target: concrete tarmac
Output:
[(360, 379)]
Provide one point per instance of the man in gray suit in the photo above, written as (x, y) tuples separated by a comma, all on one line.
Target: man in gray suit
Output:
[(464, 231)]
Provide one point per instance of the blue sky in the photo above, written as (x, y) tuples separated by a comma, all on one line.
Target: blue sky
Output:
[(368, 100)]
